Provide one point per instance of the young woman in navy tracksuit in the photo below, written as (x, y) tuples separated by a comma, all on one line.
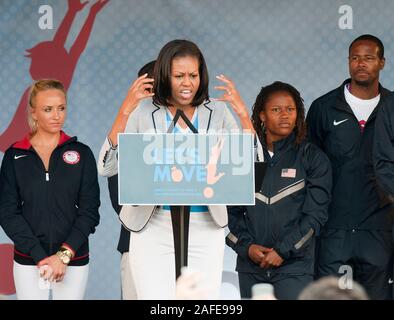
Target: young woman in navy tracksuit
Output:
[(49, 199), (274, 239)]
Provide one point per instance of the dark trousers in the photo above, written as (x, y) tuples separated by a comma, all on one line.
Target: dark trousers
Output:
[(367, 252), (286, 286)]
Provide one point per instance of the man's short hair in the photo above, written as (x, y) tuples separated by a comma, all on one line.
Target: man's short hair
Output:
[(370, 37)]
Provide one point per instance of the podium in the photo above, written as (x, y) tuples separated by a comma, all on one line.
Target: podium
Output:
[(180, 171)]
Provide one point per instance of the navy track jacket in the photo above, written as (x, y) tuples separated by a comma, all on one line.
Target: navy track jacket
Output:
[(39, 210), (357, 201), (290, 208), (384, 146)]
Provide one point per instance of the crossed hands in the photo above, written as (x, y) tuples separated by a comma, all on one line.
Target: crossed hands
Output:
[(52, 268), (265, 257)]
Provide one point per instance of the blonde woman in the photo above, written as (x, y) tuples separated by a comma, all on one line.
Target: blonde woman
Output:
[(49, 201)]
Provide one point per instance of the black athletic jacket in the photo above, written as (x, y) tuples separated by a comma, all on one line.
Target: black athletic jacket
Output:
[(39, 210), (384, 146), (357, 201), (290, 209)]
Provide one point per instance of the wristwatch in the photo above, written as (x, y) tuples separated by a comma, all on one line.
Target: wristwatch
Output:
[(64, 255)]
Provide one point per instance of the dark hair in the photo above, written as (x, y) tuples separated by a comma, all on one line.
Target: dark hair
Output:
[(147, 68), (162, 71), (264, 96), (369, 37)]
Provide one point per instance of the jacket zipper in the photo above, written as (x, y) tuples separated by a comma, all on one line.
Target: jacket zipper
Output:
[(48, 201), (46, 177)]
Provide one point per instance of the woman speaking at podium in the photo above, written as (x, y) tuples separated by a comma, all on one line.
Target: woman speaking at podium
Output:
[(180, 83)]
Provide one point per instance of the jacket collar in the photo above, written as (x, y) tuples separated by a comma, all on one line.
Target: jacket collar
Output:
[(344, 106), (204, 117), (281, 145), (26, 145)]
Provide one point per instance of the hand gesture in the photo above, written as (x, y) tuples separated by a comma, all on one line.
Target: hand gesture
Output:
[(257, 253), (140, 89), (272, 259), (76, 5), (232, 96)]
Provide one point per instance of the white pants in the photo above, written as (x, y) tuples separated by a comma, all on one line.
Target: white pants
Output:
[(128, 288), (152, 256), (29, 285)]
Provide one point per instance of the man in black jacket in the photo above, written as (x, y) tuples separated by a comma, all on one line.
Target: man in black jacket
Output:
[(384, 149), (357, 235)]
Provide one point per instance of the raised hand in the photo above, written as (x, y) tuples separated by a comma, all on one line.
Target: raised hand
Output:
[(232, 96), (98, 6), (140, 89), (76, 5)]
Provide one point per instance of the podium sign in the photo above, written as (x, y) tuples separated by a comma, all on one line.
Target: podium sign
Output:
[(186, 169)]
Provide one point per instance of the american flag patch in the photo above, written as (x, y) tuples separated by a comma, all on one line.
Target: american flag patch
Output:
[(288, 173)]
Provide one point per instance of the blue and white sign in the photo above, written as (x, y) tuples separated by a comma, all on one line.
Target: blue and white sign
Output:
[(186, 169)]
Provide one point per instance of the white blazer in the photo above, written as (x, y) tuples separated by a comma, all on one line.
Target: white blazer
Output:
[(150, 117)]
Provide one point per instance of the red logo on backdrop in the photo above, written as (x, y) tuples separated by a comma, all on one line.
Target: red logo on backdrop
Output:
[(50, 59), (71, 157)]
